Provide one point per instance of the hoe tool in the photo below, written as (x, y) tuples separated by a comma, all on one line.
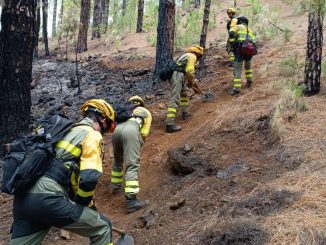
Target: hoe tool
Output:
[(124, 238), (205, 96)]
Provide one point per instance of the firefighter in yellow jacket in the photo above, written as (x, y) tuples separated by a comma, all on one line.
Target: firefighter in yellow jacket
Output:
[(238, 34), (232, 22), (127, 140), (178, 82), (63, 196)]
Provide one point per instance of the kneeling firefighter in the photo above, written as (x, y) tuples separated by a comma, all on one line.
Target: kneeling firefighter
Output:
[(178, 82), (127, 140), (63, 196)]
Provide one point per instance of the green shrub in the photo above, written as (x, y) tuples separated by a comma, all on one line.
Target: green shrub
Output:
[(290, 66)]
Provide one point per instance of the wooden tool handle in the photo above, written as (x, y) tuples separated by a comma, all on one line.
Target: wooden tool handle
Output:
[(121, 232)]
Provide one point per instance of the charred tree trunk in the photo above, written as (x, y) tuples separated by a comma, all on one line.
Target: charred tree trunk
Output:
[(54, 20), (204, 35), (97, 19), (45, 26), (37, 28), (124, 7), (105, 5), (140, 16), (165, 33), (83, 26), (17, 38), (196, 3), (314, 51)]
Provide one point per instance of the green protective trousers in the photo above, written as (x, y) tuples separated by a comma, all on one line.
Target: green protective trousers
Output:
[(178, 97), (45, 205), (238, 64), (127, 143)]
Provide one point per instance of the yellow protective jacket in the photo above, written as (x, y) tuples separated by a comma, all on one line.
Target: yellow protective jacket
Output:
[(232, 23), (239, 34), (82, 146), (188, 60), (145, 121)]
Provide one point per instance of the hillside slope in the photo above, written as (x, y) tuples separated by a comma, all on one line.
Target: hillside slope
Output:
[(250, 184)]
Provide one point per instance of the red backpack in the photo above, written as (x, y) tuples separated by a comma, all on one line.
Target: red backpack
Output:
[(248, 48)]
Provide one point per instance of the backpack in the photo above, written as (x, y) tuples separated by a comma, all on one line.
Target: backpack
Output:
[(170, 66), (248, 48), (124, 111), (29, 157)]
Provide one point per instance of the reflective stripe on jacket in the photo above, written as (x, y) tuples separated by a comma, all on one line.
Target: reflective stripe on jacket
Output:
[(83, 145), (188, 60), (239, 34)]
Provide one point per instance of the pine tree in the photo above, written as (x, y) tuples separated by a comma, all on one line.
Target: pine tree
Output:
[(45, 4), (314, 47), (97, 19), (105, 6), (140, 16), (17, 39), (83, 27), (165, 33), (54, 20), (204, 35)]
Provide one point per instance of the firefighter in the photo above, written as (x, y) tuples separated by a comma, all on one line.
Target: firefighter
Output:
[(232, 21), (137, 100), (63, 196), (238, 34), (127, 140), (178, 82)]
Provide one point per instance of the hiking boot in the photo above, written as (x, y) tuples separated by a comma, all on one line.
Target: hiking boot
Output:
[(235, 92), (133, 205), (172, 128), (249, 84), (185, 115)]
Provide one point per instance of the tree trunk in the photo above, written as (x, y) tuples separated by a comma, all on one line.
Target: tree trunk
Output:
[(17, 38), (235, 4), (45, 26), (314, 51), (97, 19), (54, 20), (37, 28), (124, 7), (105, 15), (83, 26), (61, 11), (204, 35), (165, 33), (140, 16), (196, 3)]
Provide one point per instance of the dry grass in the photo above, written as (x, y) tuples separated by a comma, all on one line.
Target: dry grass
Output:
[(303, 222), (289, 103)]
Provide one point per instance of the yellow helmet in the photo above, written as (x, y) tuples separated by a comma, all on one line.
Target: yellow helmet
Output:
[(147, 119), (231, 11), (197, 50), (103, 107), (137, 100)]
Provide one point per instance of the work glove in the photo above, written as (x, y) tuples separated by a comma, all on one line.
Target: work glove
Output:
[(195, 87), (91, 205)]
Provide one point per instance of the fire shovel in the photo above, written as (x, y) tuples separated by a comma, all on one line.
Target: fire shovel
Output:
[(124, 238)]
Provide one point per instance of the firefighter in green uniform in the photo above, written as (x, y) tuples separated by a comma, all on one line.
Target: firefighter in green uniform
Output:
[(127, 140), (63, 196), (232, 21), (238, 35), (178, 82)]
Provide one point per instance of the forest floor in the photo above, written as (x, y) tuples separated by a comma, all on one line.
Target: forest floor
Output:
[(247, 184)]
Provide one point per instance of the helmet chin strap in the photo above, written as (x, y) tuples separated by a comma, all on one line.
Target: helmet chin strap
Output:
[(98, 119)]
